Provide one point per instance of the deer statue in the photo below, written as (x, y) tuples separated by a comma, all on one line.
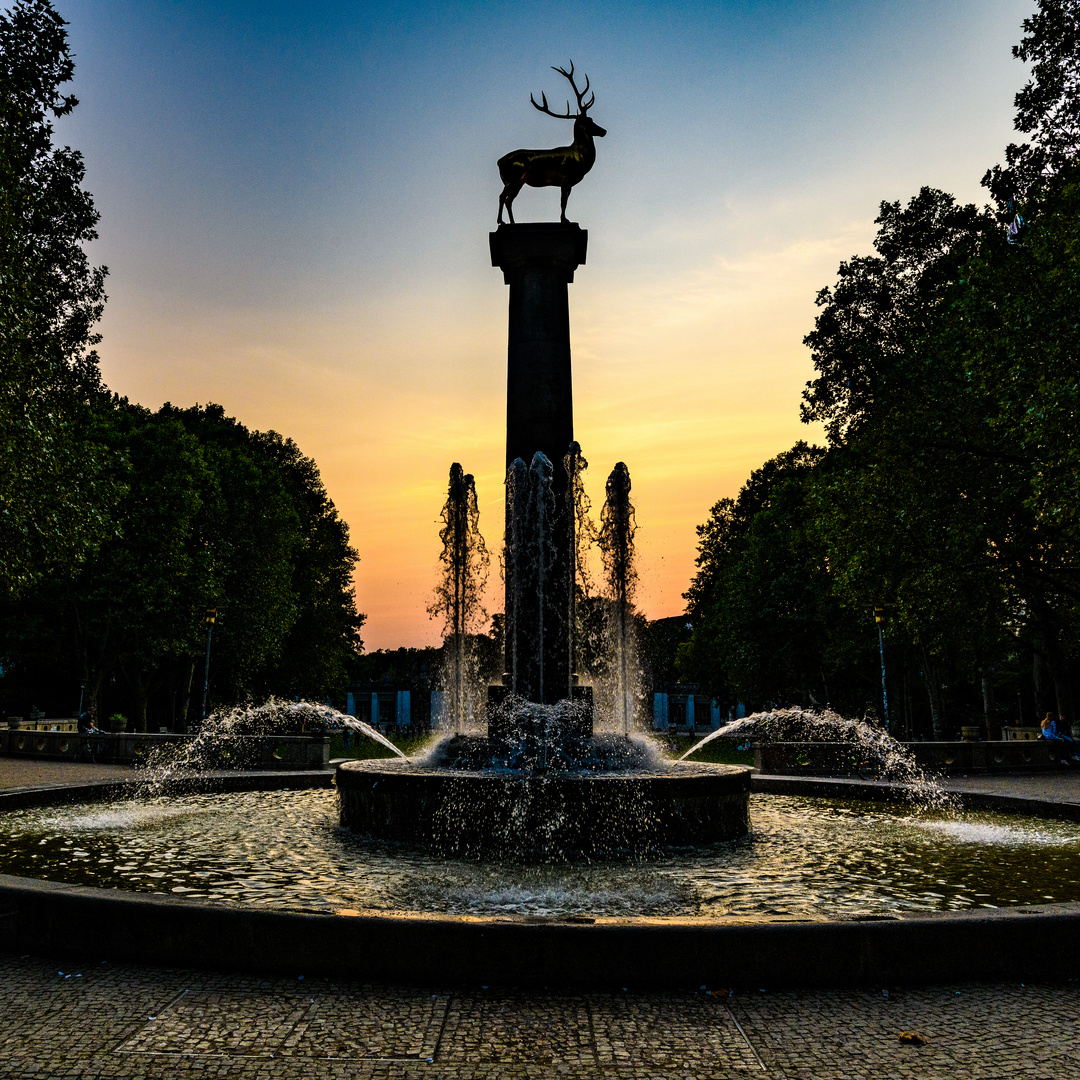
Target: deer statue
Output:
[(562, 167)]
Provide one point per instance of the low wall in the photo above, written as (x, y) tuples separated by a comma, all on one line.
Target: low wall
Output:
[(133, 748), (843, 759), (69, 723), (48, 918)]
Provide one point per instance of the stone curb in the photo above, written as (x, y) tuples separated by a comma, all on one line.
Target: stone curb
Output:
[(42, 917), (880, 791)]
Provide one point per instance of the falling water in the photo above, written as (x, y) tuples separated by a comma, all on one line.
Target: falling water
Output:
[(582, 537), (458, 595), (617, 528), (515, 560), (528, 562), (541, 549)]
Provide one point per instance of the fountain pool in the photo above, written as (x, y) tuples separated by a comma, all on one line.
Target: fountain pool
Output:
[(805, 859)]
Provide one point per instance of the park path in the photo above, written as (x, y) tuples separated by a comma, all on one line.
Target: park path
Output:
[(68, 1017), (18, 773), (1062, 786)]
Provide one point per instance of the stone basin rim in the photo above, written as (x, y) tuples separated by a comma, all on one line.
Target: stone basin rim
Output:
[(417, 767), (51, 918)]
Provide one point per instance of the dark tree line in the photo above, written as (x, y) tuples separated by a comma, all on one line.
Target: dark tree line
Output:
[(948, 382), (210, 515), (120, 527)]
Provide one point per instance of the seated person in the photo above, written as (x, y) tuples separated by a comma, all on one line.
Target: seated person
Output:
[(1050, 732)]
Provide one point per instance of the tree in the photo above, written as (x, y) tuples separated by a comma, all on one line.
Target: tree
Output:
[(868, 341), (137, 603), (766, 627), (282, 564), (212, 515), (325, 635), (1048, 106), (57, 484), (950, 492)]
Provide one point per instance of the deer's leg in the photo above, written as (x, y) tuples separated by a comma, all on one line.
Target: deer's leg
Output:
[(565, 196), (509, 194)]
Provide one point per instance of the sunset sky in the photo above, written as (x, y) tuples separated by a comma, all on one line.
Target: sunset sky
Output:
[(296, 198)]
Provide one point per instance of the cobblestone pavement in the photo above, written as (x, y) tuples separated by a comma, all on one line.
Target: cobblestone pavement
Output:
[(77, 1019)]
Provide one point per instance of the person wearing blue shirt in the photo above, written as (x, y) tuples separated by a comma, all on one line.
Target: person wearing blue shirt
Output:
[(1050, 732)]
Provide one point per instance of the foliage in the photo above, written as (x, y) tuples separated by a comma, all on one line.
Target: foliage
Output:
[(58, 483), (868, 341), (1048, 106), (767, 626), (213, 515)]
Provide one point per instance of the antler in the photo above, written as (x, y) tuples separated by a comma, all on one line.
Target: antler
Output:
[(583, 106)]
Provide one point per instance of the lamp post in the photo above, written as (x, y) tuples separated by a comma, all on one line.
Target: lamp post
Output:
[(879, 618), (211, 615)]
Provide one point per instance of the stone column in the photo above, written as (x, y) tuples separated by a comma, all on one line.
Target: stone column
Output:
[(538, 261)]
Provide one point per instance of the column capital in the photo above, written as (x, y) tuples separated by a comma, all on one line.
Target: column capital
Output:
[(538, 245)]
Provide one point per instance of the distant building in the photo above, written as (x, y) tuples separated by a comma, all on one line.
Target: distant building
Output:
[(683, 708)]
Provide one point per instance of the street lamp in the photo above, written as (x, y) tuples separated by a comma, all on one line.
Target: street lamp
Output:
[(879, 618), (211, 616)]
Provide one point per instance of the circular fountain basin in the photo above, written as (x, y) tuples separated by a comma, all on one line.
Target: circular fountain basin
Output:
[(544, 816), (821, 892)]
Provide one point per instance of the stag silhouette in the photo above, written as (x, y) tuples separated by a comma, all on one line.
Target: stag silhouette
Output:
[(562, 167)]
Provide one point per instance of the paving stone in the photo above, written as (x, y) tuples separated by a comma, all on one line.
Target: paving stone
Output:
[(668, 1031), (220, 1023), (554, 1032), (124, 1022), (388, 1023)]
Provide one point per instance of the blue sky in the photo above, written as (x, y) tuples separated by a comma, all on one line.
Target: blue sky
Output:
[(295, 199)]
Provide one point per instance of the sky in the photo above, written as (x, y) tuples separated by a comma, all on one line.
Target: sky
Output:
[(295, 200)]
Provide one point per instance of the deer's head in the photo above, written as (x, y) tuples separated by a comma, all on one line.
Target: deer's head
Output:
[(584, 125)]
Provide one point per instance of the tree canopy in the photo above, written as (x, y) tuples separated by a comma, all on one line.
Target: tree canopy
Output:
[(948, 383), (58, 482)]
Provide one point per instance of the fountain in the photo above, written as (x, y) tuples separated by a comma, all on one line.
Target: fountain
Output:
[(541, 783), (841, 744), (582, 856), (617, 544)]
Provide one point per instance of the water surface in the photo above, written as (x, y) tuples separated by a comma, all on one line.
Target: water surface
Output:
[(804, 858)]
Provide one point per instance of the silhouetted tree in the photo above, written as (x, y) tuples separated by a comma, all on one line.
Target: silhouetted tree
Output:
[(57, 485)]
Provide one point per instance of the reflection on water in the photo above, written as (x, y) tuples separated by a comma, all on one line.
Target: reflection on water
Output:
[(805, 858)]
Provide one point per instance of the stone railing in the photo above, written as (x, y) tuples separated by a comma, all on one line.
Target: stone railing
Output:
[(20, 723), (844, 759)]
